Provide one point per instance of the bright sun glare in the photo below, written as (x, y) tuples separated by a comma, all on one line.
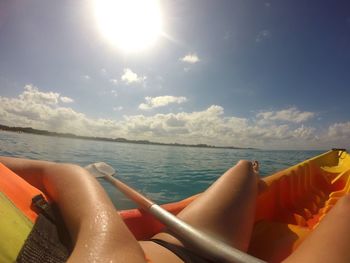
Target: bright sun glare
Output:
[(132, 25)]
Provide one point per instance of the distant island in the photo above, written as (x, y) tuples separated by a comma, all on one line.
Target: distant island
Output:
[(120, 140)]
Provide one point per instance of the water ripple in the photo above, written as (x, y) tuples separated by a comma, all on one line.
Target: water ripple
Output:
[(163, 173)]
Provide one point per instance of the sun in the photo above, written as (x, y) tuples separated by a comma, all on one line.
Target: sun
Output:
[(131, 25)]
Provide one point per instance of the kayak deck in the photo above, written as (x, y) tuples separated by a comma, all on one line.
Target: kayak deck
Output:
[(291, 206), (296, 200)]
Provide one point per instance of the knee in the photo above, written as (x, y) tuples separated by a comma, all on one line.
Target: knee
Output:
[(245, 163)]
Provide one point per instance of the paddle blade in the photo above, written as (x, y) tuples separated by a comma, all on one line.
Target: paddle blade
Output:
[(100, 169)]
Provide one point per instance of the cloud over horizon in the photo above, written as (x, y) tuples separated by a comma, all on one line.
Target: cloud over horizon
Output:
[(290, 115), (267, 129)]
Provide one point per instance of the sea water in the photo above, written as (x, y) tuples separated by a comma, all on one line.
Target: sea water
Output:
[(163, 173)]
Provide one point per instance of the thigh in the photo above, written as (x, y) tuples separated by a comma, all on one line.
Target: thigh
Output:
[(226, 209)]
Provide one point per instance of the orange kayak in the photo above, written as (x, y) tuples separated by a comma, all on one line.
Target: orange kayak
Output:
[(294, 202)]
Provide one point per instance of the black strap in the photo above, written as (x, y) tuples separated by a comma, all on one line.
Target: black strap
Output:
[(44, 207), (186, 255), (43, 244)]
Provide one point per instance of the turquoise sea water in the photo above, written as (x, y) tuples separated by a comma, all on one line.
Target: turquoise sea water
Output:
[(163, 173)]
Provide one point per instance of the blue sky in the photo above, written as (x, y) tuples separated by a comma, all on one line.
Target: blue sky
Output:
[(266, 74)]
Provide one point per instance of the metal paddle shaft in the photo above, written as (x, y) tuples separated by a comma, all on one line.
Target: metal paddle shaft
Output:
[(197, 239), (130, 192), (201, 241)]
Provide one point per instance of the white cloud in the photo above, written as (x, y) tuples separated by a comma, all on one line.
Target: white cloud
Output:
[(31, 93), (130, 77), (86, 77), (41, 110), (190, 58), (336, 136), (288, 128), (304, 132), (186, 126), (339, 131), (66, 99), (262, 35), (287, 115), (161, 101), (212, 127)]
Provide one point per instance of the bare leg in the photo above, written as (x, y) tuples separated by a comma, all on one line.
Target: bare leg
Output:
[(97, 231), (226, 209), (329, 242)]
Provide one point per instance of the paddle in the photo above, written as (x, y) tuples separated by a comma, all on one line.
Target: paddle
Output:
[(201, 241)]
